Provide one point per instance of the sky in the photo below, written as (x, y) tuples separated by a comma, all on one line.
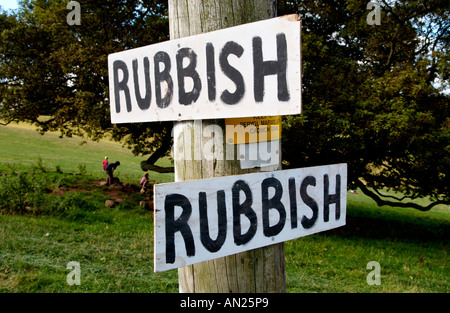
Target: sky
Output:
[(9, 4)]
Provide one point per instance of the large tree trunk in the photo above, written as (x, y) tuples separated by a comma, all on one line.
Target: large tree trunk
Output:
[(259, 270)]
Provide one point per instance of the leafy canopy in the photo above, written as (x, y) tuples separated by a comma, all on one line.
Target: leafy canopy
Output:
[(374, 96), (55, 75)]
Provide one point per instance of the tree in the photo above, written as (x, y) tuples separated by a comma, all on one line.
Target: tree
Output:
[(55, 75), (374, 97)]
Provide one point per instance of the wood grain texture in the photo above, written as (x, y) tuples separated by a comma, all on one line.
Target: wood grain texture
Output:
[(242, 272)]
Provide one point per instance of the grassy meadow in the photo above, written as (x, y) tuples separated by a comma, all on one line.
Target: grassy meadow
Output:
[(65, 220), (22, 147)]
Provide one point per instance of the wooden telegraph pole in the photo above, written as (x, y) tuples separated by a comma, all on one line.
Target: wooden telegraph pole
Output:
[(219, 249), (259, 270)]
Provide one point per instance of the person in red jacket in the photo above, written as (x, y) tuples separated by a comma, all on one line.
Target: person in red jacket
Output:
[(105, 163)]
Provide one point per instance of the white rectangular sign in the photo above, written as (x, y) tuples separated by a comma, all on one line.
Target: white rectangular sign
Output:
[(207, 219), (235, 72)]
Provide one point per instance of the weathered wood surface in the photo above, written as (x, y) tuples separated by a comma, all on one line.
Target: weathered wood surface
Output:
[(201, 220), (251, 271), (231, 72)]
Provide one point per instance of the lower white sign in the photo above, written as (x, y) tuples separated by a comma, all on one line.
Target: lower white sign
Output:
[(206, 219)]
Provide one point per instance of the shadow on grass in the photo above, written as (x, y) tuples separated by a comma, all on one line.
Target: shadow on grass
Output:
[(395, 228)]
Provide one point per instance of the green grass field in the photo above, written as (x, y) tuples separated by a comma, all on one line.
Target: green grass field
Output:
[(22, 146), (114, 246)]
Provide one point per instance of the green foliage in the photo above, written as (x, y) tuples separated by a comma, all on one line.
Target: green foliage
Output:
[(32, 193), (82, 168), (39, 166), (22, 192), (70, 202), (373, 96), (50, 68)]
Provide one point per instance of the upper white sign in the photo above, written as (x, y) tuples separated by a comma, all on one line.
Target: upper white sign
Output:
[(247, 70)]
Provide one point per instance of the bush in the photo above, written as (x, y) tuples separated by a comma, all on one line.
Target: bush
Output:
[(31, 192), (22, 192), (70, 202), (80, 207)]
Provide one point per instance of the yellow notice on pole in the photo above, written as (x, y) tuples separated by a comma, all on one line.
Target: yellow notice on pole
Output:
[(252, 129)]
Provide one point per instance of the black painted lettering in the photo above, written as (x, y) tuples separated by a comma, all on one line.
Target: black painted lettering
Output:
[(273, 203), (186, 98), (208, 243), (161, 76), (331, 198), (263, 68), (178, 225), (244, 208), (121, 85), (227, 97), (293, 202), (309, 222), (143, 103), (211, 71)]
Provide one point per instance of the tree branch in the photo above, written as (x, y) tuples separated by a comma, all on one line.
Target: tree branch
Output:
[(149, 164), (151, 167), (382, 202), (389, 196), (391, 52)]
